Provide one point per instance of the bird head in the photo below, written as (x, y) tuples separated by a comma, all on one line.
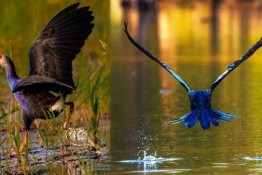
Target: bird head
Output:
[(4, 61), (200, 99)]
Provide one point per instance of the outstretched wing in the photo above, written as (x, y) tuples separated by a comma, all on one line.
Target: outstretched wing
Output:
[(231, 67), (53, 51), (178, 78)]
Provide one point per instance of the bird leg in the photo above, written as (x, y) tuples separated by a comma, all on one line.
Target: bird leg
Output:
[(72, 106), (25, 142)]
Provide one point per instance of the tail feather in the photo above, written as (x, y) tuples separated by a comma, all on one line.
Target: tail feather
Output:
[(189, 117), (213, 120), (178, 120), (205, 117), (223, 114), (218, 115), (192, 123)]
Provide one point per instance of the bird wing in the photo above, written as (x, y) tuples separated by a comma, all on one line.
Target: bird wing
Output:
[(53, 51), (234, 65), (177, 77), (35, 83)]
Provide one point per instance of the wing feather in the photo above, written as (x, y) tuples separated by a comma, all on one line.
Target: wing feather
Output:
[(53, 51), (234, 65), (177, 77)]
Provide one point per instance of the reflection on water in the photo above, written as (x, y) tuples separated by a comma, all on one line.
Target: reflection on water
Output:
[(198, 40)]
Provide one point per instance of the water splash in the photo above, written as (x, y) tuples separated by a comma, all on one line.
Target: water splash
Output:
[(150, 159), (148, 163)]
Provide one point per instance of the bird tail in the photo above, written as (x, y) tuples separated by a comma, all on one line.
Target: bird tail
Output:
[(205, 117)]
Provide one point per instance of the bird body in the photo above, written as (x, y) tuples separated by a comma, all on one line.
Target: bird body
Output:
[(201, 110), (50, 59), (200, 100), (39, 105), (31, 102)]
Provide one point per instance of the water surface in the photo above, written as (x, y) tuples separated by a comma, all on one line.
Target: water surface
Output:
[(198, 40)]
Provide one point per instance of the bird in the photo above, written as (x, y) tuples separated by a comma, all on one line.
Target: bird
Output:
[(42, 95), (200, 100)]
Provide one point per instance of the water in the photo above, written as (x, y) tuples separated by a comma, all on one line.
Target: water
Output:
[(196, 39), (149, 159), (149, 163)]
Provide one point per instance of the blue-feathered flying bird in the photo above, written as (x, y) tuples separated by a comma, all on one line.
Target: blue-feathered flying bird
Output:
[(200, 100)]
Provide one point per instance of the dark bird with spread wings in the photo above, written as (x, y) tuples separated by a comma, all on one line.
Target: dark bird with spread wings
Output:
[(50, 57), (201, 109)]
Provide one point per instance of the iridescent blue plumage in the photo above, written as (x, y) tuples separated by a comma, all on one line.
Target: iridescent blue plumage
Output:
[(201, 109)]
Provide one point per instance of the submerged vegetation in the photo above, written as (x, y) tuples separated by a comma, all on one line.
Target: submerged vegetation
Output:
[(51, 147)]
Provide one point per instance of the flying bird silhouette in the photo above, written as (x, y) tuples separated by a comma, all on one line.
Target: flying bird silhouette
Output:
[(50, 58), (201, 109)]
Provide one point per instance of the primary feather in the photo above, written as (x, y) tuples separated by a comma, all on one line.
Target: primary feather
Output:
[(53, 51)]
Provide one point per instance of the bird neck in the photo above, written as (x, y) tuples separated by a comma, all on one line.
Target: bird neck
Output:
[(11, 75)]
